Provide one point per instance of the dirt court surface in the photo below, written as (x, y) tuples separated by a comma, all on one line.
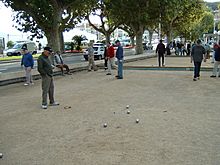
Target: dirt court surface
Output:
[(179, 120)]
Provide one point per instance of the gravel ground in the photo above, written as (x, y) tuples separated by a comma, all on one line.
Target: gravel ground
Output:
[(179, 120)]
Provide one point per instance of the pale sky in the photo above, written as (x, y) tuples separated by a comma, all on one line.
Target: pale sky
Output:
[(7, 23)]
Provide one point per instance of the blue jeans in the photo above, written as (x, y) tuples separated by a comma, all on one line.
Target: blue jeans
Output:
[(120, 68), (197, 66)]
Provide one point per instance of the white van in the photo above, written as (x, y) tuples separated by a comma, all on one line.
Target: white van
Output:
[(98, 53), (16, 49)]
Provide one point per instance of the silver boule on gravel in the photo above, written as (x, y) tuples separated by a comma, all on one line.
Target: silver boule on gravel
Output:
[(127, 106), (105, 125), (128, 112), (1, 155), (137, 120)]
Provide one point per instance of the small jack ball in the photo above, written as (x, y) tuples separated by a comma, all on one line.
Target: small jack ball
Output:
[(127, 106), (137, 120), (1, 155)]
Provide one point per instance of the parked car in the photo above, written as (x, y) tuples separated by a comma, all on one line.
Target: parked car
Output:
[(16, 49), (98, 53)]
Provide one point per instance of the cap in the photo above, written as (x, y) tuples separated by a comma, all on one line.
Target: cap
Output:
[(24, 47), (48, 49)]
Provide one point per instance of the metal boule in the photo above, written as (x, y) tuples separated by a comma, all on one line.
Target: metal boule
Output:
[(105, 125)]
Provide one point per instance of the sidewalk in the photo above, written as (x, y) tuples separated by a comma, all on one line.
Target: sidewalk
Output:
[(15, 77), (179, 119)]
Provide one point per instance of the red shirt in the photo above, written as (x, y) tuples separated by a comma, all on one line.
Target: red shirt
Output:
[(110, 52)]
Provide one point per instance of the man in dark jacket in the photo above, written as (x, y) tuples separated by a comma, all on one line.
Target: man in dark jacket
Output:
[(161, 51), (45, 69), (119, 56), (197, 55), (217, 61)]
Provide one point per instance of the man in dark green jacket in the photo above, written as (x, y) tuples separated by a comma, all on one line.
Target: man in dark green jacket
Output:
[(45, 69), (197, 56)]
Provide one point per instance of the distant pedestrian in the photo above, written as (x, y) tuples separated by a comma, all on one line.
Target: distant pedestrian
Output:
[(160, 50), (120, 57), (45, 69), (216, 69), (215, 48), (208, 50), (91, 64), (168, 48), (111, 58), (28, 62), (60, 63), (188, 47), (105, 59), (197, 56)]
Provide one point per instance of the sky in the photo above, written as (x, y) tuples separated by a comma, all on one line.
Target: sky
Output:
[(10, 33)]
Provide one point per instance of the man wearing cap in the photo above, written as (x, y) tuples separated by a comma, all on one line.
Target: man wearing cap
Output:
[(45, 69), (28, 62), (119, 56)]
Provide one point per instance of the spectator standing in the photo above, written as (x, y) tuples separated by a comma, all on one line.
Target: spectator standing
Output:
[(160, 50), (119, 56), (215, 47), (105, 59), (197, 56), (45, 69), (39, 46), (168, 48), (217, 62), (91, 64), (188, 47), (111, 58), (28, 62), (60, 63), (208, 50)]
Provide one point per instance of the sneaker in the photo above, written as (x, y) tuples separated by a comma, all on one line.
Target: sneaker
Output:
[(212, 76), (26, 84), (68, 73), (44, 106), (108, 74), (119, 77), (54, 104), (194, 79)]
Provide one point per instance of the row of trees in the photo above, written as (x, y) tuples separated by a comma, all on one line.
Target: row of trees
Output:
[(188, 18)]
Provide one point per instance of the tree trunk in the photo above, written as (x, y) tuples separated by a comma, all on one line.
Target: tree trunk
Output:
[(150, 35), (132, 41), (107, 38), (53, 39), (61, 42), (139, 45)]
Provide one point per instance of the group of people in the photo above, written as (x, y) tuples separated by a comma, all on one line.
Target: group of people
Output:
[(46, 65), (109, 62), (199, 53)]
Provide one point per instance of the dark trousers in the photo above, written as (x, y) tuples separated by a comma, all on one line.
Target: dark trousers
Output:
[(106, 63), (61, 66), (47, 88), (197, 66), (160, 55)]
